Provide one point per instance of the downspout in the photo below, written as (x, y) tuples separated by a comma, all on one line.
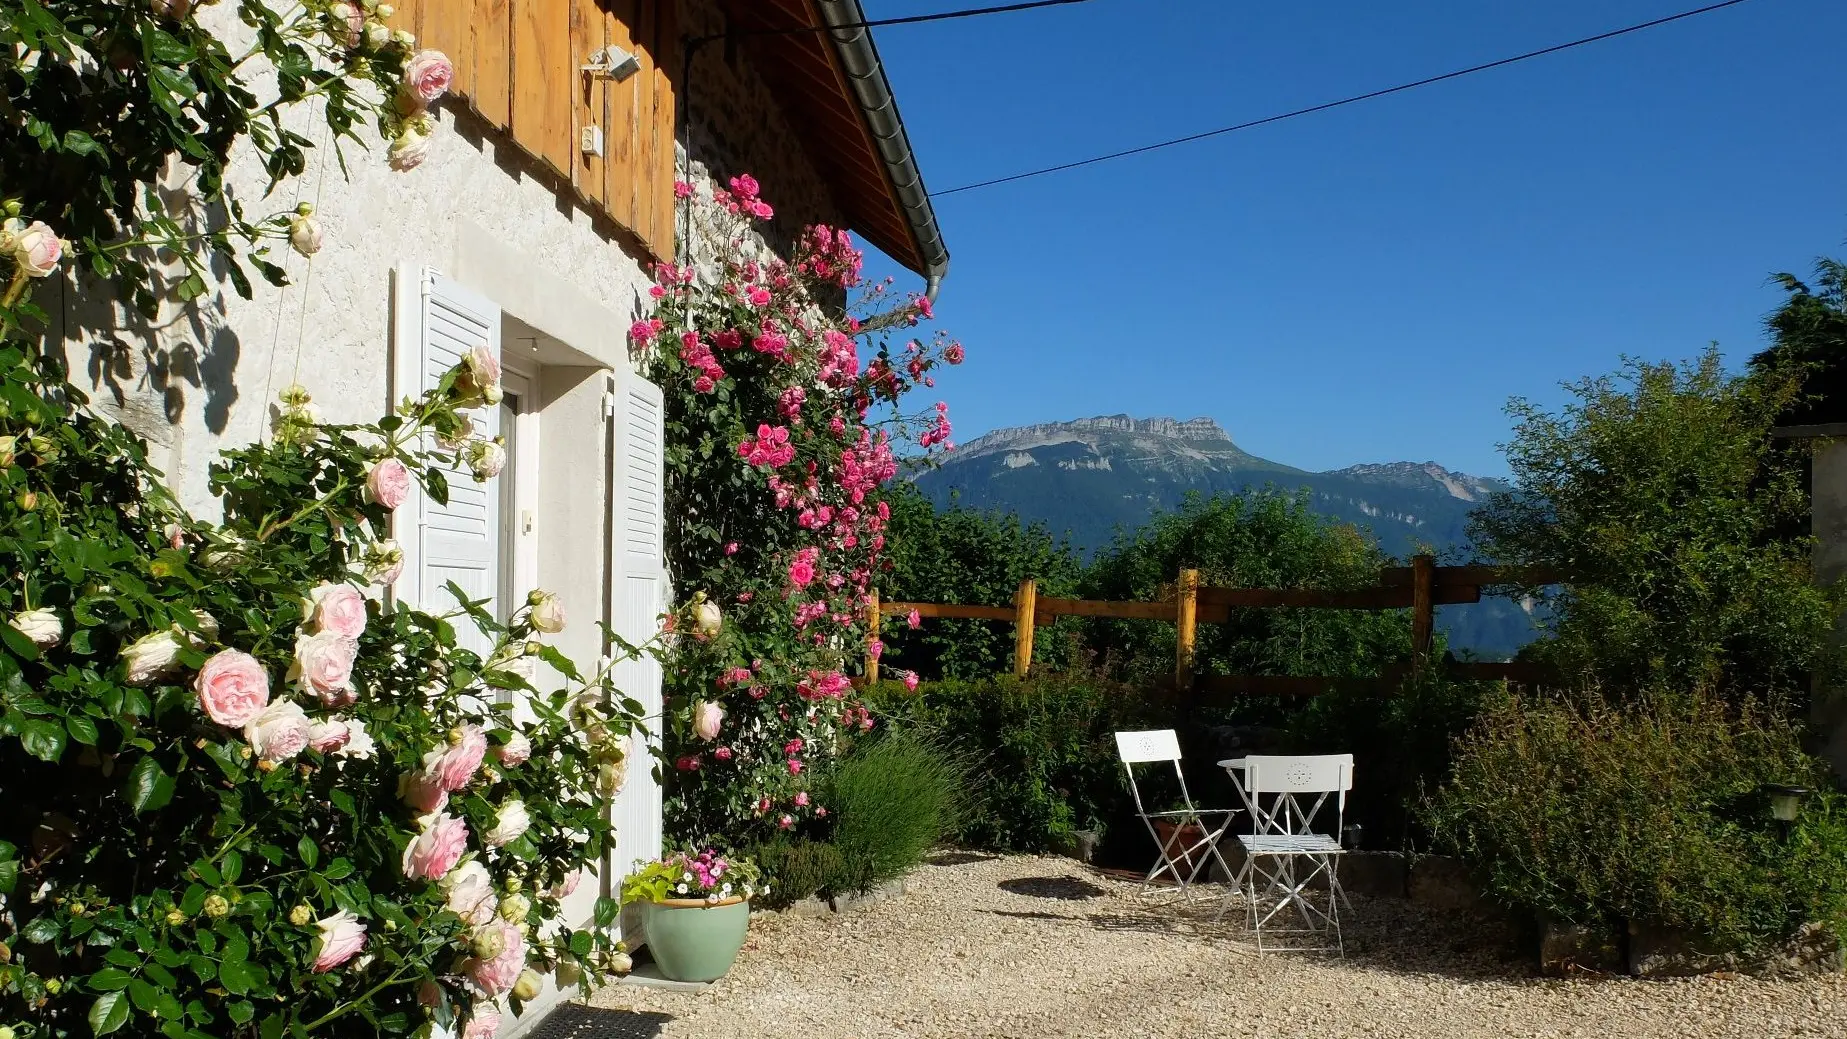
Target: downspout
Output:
[(859, 58)]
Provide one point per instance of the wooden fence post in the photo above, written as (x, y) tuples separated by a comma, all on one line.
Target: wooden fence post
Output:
[(1423, 612), (1186, 618), (872, 636), (1025, 615)]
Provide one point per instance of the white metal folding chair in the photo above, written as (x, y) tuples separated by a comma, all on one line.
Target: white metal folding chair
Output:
[(1285, 795), (1156, 745)]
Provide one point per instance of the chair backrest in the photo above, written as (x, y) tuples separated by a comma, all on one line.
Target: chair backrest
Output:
[(1149, 745), (1307, 774), (1299, 786)]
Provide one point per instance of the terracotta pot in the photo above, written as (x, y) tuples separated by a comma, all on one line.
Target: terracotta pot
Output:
[(1178, 839)]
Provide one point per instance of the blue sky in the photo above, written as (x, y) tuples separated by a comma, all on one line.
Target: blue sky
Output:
[(1372, 283)]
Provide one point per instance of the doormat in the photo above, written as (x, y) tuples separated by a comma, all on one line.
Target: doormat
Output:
[(576, 1021)]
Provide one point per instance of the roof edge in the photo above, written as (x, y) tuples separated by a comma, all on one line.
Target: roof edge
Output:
[(865, 73)]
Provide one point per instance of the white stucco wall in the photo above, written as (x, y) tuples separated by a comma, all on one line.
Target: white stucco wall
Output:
[(202, 376)]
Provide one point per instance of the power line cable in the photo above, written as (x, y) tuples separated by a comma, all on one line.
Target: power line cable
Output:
[(1190, 138), (913, 19)]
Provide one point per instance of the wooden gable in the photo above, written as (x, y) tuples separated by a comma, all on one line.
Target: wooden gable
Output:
[(517, 65)]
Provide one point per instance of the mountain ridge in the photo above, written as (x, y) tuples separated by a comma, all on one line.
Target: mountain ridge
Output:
[(1091, 478)]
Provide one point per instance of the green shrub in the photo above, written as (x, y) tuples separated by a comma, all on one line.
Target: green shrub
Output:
[(1400, 742), (796, 869), (1586, 812), (893, 798), (1040, 753)]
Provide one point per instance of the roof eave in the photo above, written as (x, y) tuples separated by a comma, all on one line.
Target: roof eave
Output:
[(865, 74)]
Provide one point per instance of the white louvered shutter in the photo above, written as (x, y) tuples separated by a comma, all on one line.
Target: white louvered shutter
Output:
[(638, 596), (439, 322)]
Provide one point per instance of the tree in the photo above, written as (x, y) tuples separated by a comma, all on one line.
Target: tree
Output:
[(965, 556), (1661, 493), (1809, 339), (1255, 541)]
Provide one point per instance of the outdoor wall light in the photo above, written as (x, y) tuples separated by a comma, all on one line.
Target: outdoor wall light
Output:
[(1785, 802), (612, 63)]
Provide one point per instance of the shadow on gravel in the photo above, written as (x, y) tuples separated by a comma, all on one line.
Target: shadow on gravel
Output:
[(576, 1021), (957, 858), (1069, 889)]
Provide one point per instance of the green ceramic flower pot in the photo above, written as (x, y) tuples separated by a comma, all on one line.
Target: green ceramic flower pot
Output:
[(694, 940)]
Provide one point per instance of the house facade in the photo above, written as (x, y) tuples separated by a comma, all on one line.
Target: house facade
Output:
[(532, 228)]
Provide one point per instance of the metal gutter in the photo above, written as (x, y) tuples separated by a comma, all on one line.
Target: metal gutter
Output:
[(859, 58)]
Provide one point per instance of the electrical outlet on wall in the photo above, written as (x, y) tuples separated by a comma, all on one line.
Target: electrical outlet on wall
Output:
[(590, 141)]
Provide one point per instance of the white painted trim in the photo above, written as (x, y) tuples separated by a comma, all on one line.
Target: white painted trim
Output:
[(527, 520), (524, 288)]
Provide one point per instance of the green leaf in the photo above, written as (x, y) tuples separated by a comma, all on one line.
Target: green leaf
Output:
[(239, 976), (580, 942), (149, 787), (9, 875), (108, 1013), (82, 729), (79, 143), (241, 1011), (42, 739), (109, 979), (17, 642), (309, 851)]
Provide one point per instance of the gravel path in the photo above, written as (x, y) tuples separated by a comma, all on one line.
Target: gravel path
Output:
[(1041, 948)]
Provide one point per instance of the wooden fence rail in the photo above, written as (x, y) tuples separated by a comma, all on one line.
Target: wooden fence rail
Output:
[(1420, 587)]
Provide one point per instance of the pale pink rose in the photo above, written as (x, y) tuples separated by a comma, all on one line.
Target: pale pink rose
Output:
[(455, 766), (233, 688), (388, 483), (483, 1022), (422, 791), (511, 821), (496, 975), (336, 609), (427, 75), (279, 732), (515, 751), (324, 667), (330, 735), (349, 24), (563, 888), (470, 893), (707, 718), (37, 249), (434, 852), (342, 936), (408, 151), (481, 366)]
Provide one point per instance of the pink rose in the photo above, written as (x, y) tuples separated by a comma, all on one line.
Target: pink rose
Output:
[(497, 974), (483, 1022), (233, 688), (388, 483), (324, 667), (278, 732), (422, 791), (330, 735), (336, 609), (436, 850), (455, 766), (722, 753), (801, 798), (349, 23), (910, 681), (342, 936), (427, 75), (913, 618), (515, 751), (707, 718)]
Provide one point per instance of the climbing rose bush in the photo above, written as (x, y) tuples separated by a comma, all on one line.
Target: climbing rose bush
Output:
[(243, 796), (782, 411)]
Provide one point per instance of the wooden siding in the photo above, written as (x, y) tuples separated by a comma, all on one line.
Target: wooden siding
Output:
[(516, 66)]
